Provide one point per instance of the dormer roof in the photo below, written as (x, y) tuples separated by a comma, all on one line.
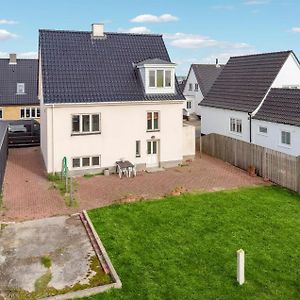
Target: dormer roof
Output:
[(155, 61)]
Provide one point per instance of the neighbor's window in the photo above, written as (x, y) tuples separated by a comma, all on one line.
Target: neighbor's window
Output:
[(235, 125), (137, 148), (189, 104), (285, 137), (160, 78), (86, 162), (152, 120), (190, 87), (86, 123), (196, 87), (263, 129), (20, 88), (29, 113)]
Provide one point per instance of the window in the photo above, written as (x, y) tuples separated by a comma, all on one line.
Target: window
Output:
[(285, 138), (29, 113), (189, 104), (235, 125), (160, 78), (137, 148), (20, 88), (152, 120), (1, 113), (86, 123), (190, 87), (196, 87), (263, 129), (86, 162)]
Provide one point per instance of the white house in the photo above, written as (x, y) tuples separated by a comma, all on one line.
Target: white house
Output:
[(234, 105), (199, 81), (108, 96)]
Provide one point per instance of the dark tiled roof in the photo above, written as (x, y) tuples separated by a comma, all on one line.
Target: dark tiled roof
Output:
[(244, 81), (25, 71), (281, 106), (206, 75), (77, 68)]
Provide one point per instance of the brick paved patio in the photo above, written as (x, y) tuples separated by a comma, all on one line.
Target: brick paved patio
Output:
[(29, 195)]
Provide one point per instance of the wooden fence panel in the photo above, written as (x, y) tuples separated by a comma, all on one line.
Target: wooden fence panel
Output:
[(278, 167)]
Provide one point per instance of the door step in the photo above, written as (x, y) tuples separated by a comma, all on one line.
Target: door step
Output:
[(155, 169)]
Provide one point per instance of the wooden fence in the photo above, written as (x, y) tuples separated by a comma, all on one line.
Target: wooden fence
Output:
[(278, 167)]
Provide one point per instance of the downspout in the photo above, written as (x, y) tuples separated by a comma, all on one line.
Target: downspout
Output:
[(250, 127), (52, 138)]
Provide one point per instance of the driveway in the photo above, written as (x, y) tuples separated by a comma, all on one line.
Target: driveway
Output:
[(29, 195)]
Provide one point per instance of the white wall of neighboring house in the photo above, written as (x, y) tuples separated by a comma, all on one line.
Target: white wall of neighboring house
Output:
[(216, 120), (121, 126), (194, 96), (272, 139)]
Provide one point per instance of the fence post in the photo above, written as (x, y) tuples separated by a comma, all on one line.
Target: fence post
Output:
[(240, 274), (298, 173)]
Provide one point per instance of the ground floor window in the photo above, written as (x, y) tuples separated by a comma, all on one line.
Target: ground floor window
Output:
[(30, 113), (86, 162), (235, 125), (263, 129), (137, 148), (285, 138)]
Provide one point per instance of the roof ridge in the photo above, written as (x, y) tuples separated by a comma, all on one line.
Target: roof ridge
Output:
[(263, 54), (207, 64), (108, 32)]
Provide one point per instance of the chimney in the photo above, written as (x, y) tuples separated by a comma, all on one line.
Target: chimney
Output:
[(12, 59), (217, 63), (98, 30)]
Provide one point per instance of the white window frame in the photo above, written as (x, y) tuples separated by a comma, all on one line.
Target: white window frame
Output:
[(20, 86), (35, 109), (261, 132), (236, 122), (152, 121), (90, 131), (90, 166), (164, 79), (281, 141)]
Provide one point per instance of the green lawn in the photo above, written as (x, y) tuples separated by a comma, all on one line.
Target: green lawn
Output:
[(185, 247)]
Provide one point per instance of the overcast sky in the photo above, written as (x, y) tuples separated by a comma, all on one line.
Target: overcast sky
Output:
[(194, 31)]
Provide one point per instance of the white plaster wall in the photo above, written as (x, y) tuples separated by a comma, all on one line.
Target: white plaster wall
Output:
[(189, 147), (289, 73), (121, 126), (195, 96), (215, 120), (272, 139)]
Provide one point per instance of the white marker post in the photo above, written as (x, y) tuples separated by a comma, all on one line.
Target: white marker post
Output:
[(240, 266)]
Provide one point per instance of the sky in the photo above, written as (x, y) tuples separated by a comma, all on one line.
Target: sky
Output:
[(194, 31)]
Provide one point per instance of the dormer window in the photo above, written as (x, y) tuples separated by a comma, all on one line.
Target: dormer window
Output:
[(158, 76), (20, 88)]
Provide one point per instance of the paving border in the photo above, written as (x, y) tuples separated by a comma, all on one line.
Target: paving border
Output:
[(117, 284)]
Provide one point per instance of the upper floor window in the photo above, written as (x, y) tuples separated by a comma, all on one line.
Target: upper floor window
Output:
[(190, 86), (29, 113), (285, 138), (160, 78), (196, 87), (152, 120), (86, 123), (20, 88), (235, 125)]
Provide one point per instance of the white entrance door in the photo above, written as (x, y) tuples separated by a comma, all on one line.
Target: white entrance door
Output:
[(152, 154)]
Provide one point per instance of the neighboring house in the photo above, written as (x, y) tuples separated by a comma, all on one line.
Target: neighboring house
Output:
[(108, 96), (243, 93), (277, 123), (199, 81), (18, 89)]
